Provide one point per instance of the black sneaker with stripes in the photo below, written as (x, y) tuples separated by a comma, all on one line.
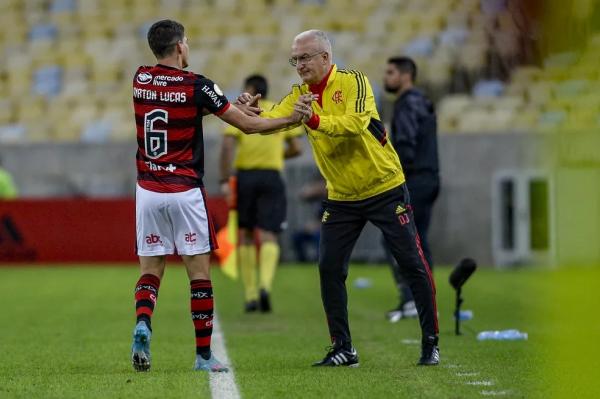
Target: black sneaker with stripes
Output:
[(430, 352), (339, 356)]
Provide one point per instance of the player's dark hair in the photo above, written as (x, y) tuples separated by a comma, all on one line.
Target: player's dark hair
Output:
[(405, 65), (163, 36), (259, 83)]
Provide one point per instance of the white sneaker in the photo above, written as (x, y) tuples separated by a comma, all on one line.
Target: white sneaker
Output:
[(409, 310)]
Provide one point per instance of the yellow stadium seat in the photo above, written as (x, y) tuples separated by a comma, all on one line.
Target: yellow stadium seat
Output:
[(30, 108), (474, 120), (580, 119), (6, 111), (539, 93), (500, 119), (526, 74), (526, 119)]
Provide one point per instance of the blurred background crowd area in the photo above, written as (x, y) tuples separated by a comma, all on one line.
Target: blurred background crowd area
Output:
[(491, 65)]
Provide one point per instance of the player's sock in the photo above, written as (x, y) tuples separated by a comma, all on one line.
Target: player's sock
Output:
[(268, 259), (248, 271), (146, 293), (202, 314)]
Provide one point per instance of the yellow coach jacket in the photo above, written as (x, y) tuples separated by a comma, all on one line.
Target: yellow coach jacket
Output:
[(348, 140)]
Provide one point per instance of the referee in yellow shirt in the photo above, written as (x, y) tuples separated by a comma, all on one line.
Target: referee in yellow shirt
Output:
[(365, 182), (261, 202)]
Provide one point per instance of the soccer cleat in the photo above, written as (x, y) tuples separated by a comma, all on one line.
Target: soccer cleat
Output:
[(338, 356), (394, 315), (140, 349), (409, 310), (430, 352), (210, 364), (403, 311), (251, 306), (264, 301)]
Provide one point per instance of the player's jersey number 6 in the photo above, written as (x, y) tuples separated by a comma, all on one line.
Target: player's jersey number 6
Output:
[(155, 140)]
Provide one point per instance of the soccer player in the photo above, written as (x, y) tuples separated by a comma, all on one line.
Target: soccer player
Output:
[(414, 136), (365, 182), (171, 212), (261, 202)]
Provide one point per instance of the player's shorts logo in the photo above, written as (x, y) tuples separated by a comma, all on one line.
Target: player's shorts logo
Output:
[(143, 78), (337, 97), (153, 239), (190, 237)]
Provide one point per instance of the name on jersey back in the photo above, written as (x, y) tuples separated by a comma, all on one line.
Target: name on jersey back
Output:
[(159, 80), (166, 96)]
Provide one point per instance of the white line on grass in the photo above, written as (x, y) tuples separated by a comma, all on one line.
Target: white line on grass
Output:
[(222, 385), (484, 383), (468, 374), (411, 341), (495, 393)]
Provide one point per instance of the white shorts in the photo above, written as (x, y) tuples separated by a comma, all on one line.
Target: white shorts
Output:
[(169, 222)]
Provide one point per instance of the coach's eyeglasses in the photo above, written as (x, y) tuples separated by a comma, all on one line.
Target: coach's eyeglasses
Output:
[(303, 59)]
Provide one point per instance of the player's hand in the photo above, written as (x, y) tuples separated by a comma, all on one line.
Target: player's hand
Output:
[(247, 98), (308, 98)]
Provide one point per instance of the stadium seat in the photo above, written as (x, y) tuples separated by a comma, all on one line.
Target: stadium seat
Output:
[(539, 93), (69, 49), (551, 120), (6, 111), (526, 119), (473, 120)]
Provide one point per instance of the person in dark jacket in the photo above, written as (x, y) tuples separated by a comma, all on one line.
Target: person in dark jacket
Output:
[(414, 136)]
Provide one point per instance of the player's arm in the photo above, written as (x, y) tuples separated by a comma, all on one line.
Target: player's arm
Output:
[(284, 107), (257, 124), (210, 97), (359, 97)]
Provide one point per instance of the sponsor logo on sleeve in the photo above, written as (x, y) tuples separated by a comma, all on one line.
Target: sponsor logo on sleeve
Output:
[(143, 78), (213, 95), (218, 90)]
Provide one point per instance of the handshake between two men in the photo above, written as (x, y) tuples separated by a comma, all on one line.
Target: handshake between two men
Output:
[(248, 104)]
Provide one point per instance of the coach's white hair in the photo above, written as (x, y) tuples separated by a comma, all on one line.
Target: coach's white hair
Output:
[(319, 36)]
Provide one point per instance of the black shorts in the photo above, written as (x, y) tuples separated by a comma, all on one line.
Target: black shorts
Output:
[(261, 200)]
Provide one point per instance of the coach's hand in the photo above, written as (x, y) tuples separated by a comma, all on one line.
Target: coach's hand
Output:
[(248, 109), (298, 115), (303, 106)]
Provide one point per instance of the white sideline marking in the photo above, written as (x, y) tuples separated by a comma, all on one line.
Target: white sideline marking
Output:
[(471, 374), (222, 385), (494, 393), (451, 366), (410, 341), (481, 383)]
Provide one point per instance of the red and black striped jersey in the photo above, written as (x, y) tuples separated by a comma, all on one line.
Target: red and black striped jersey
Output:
[(169, 104)]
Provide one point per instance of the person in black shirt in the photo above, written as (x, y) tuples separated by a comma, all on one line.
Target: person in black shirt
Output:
[(414, 136)]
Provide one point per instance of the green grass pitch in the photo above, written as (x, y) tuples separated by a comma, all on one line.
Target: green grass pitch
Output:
[(65, 332)]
